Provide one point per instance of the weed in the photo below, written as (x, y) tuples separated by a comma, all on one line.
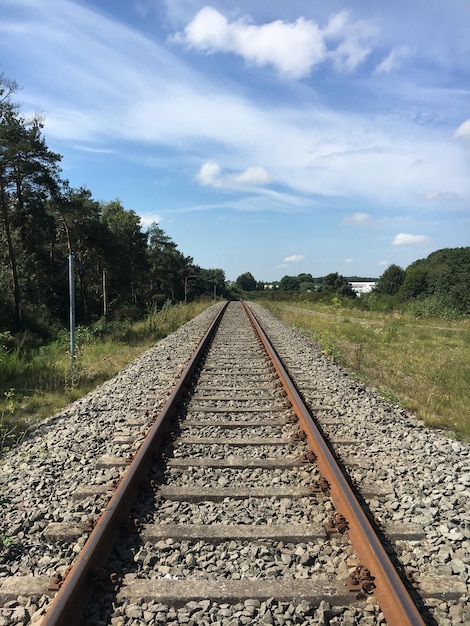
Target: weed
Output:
[(9, 435), (330, 348), (389, 396)]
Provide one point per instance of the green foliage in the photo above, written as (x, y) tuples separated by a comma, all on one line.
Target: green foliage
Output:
[(449, 277), (337, 284), (289, 283), (415, 283), (330, 348), (432, 306), (390, 281), (247, 282), (10, 434), (436, 286)]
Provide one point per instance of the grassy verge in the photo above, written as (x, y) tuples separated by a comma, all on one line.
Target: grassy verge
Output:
[(35, 384), (423, 365)]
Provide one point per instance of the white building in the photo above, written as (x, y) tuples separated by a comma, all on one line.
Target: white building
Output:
[(363, 287)]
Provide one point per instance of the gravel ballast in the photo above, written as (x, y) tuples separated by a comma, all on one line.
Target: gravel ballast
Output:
[(422, 476)]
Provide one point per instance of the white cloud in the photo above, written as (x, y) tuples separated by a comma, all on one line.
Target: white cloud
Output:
[(403, 239), (393, 60), (447, 196), (384, 263), (463, 131), (348, 260), (357, 218), (294, 258), (293, 48), (253, 176), (148, 220), (356, 41), (211, 174)]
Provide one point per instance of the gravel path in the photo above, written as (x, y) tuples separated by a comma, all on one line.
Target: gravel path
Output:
[(421, 476)]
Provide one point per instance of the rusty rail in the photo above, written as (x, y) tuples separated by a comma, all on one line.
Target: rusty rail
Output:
[(392, 595), (69, 603)]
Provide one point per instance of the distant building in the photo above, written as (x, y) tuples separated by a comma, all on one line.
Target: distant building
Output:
[(362, 287)]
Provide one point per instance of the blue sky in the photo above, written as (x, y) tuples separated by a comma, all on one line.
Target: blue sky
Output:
[(271, 137)]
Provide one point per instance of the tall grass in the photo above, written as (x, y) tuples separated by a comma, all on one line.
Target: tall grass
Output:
[(422, 364), (37, 382)]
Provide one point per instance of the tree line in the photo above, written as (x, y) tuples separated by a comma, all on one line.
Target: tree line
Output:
[(332, 283), (436, 285), (44, 220), (440, 283)]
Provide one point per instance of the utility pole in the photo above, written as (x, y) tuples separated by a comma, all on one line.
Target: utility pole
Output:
[(72, 312), (105, 295)]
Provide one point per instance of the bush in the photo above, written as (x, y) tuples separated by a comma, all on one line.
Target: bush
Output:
[(433, 307)]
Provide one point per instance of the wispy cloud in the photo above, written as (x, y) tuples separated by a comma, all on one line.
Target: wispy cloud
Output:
[(357, 218), (94, 150), (294, 258), (393, 60), (403, 239)]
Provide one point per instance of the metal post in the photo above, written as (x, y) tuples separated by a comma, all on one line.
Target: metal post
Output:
[(105, 295), (72, 312)]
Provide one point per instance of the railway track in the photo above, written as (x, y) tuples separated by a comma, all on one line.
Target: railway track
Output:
[(255, 517), (241, 507)]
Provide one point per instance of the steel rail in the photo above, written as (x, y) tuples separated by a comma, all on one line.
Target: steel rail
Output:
[(393, 598), (70, 601)]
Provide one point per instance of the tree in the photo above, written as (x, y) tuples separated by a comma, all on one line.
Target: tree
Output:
[(306, 282), (391, 280), (7, 88), (415, 282), (247, 282), (289, 283), (80, 229), (126, 254), (212, 282), (172, 274), (29, 175), (337, 284), (447, 277)]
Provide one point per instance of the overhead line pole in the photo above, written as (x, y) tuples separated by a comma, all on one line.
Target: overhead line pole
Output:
[(72, 312)]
